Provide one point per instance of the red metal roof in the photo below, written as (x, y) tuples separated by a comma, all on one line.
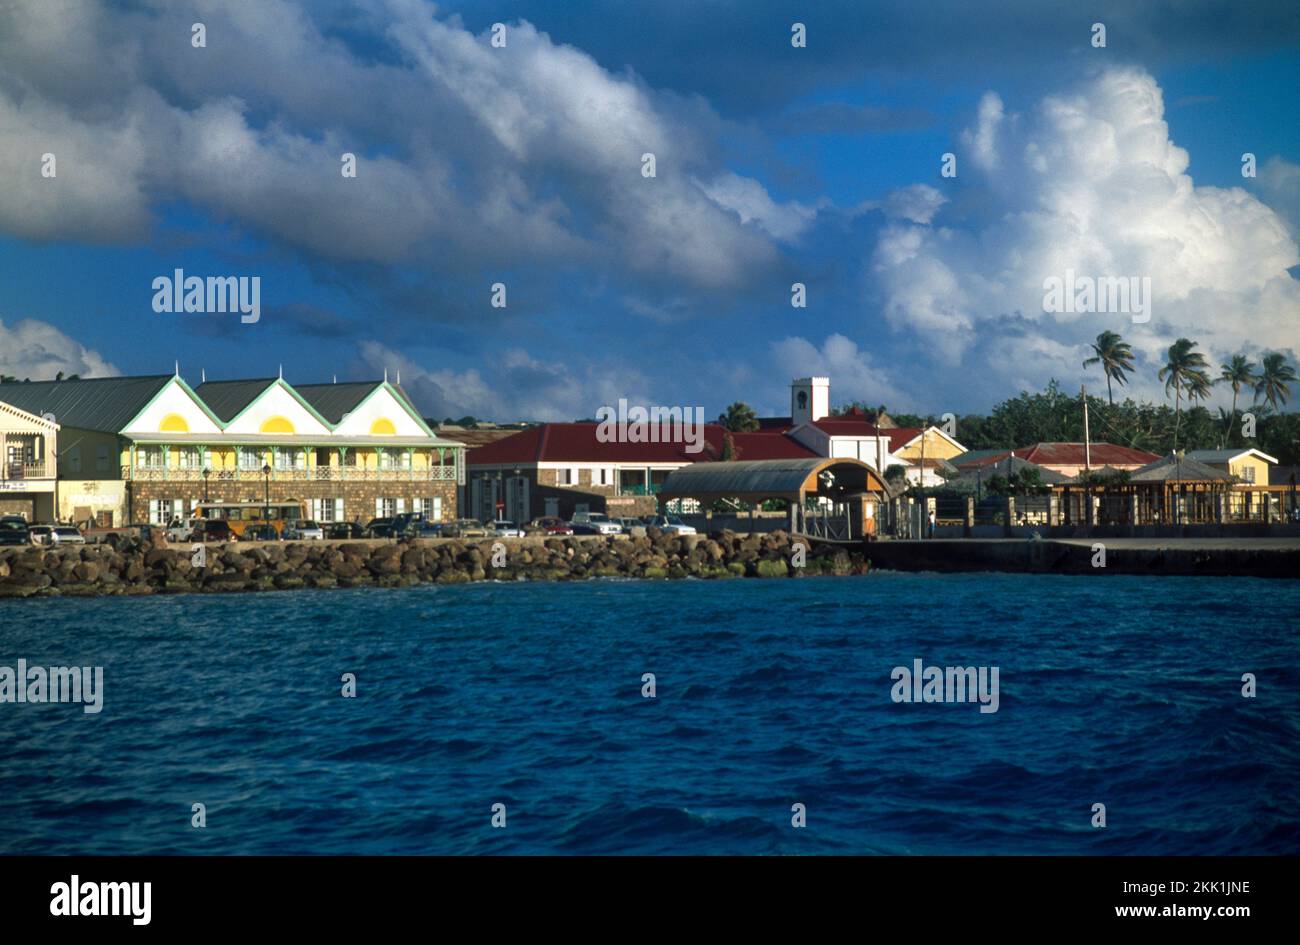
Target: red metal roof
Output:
[(1069, 454), (577, 443)]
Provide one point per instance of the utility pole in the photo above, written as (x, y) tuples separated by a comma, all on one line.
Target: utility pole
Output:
[(1087, 439)]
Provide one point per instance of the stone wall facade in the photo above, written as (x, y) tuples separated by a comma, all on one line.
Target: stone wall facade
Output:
[(358, 496)]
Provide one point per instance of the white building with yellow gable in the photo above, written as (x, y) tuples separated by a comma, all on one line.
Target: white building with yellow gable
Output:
[(150, 449)]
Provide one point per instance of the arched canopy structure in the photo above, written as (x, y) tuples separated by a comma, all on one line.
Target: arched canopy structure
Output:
[(761, 479)]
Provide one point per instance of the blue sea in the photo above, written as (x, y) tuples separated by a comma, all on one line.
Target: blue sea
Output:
[(1123, 691)]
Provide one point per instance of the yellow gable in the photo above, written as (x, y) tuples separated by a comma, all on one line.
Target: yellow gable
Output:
[(174, 423), (276, 424), (383, 427)]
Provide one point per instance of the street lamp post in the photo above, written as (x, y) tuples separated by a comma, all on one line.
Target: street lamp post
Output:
[(266, 474), (206, 473)]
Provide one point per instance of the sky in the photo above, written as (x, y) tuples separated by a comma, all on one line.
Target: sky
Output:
[(522, 165)]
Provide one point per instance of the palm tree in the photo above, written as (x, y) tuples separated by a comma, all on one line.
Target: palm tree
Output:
[(1184, 371), (1237, 373), (739, 418), (1115, 357), (1275, 378)]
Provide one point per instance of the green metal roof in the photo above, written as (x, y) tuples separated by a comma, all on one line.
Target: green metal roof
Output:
[(332, 401), (106, 404), (771, 478), (1171, 469), (227, 398)]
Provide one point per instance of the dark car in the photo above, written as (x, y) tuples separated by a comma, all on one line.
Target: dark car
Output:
[(428, 530), (380, 528), (264, 532), (13, 531), (215, 529), (345, 531), (407, 523), (583, 528)]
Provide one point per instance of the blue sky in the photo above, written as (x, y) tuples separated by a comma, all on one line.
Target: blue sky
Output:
[(521, 165)]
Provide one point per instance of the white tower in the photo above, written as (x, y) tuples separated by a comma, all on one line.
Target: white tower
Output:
[(810, 399)]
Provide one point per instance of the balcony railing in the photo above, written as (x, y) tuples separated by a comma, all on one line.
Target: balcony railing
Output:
[(317, 474), (25, 471)]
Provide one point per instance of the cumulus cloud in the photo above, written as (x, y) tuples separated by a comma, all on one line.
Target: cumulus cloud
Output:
[(513, 385), (470, 157), (752, 203), (36, 349), (853, 372), (1089, 182)]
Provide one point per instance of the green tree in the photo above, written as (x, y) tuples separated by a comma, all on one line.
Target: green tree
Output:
[(1115, 357), (1237, 373), (1183, 373), (1275, 380), (739, 418)]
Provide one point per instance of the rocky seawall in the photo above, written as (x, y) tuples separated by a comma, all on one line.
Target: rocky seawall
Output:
[(133, 567)]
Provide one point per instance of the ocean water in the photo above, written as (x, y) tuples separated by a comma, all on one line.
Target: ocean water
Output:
[(1124, 691)]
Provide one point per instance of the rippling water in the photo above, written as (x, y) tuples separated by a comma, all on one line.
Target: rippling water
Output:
[(1123, 690)]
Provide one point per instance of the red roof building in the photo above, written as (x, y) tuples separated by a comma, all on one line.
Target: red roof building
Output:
[(1068, 459)]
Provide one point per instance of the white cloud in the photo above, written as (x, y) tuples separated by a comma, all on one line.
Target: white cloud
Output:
[(470, 157), (1090, 182), (751, 202), (36, 349), (853, 373), (514, 386)]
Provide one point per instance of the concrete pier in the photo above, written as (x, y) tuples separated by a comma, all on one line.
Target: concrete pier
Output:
[(1247, 557)]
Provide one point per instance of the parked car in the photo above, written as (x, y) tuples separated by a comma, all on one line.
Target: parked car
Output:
[(303, 530), (13, 531), (428, 530), (181, 531), (406, 523), (670, 525), (631, 523), (346, 531), (211, 529), (504, 528), (465, 528), (380, 528), (41, 534), (602, 523), (263, 532), (67, 535), (549, 525)]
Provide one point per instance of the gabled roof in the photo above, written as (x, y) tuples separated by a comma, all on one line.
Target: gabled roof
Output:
[(1172, 469), (227, 399), (106, 404), (332, 401), (1060, 454), (1227, 456)]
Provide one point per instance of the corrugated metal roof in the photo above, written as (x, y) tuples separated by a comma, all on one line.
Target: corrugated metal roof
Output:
[(106, 404), (227, 398), (1170, 469), (332, 401), (767, 477)]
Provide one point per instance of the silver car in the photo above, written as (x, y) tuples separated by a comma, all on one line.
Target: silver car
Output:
[(502, 528), (304, 530)]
